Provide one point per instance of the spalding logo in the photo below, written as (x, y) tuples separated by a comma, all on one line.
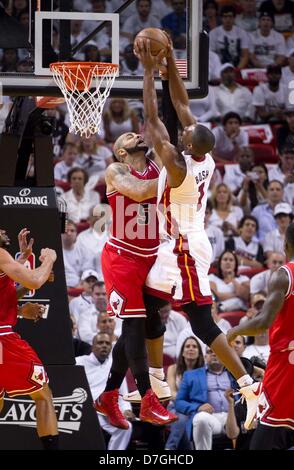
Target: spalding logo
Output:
[(24, 199)]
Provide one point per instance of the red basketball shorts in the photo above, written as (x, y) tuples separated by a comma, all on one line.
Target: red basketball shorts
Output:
[(21, 370), (124, 276)]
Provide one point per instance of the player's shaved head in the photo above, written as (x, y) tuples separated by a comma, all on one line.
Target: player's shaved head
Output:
[(119, 144), (203, 140)]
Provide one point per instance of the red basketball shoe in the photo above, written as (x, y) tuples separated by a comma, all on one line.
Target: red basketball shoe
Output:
[(153, 412), (107, 404)]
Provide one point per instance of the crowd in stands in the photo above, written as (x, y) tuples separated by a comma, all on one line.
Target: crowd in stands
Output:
[(248, 108)]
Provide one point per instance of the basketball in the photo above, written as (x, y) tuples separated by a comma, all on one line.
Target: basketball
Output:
[(158, 39)]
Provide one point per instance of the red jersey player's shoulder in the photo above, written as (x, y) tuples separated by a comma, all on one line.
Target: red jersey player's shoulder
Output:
[(113, 170), (4, 258)]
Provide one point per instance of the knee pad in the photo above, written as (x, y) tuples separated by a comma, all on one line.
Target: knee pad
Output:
[(202, 322), (154, 326)]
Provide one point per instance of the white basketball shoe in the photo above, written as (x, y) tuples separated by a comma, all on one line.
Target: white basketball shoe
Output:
[(159, 387), (251, 394)]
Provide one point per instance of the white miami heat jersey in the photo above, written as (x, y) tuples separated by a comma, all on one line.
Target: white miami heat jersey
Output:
[(181, 210)]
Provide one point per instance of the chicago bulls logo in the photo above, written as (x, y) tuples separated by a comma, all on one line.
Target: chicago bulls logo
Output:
[(117, 302)]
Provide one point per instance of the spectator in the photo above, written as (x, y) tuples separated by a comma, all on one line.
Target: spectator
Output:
[(229, 41), (72, 261), (76, 36), (214, 65), (260, 348), (264, 213), (215, 235), (9, 60), (190, 358), (282, 11), (59, 132), (94, 157), (90, 242), (229, 138), (175, 24), (143, 18), (69, 157), (285, 133), (230, 96), (119, 119), (174, 323), (236, 418), (267, 46), (257, 302), (84, 300), (80, 347), (274, 240), (80, 199), (97, 367), (210, 15), (254, 188), (284, 171), (201, 397), (107, 324), (92, 52), (247, 19), (18, 6), (231, 289), (224, 214), (204, 109), (259, 282), (269, 98), (248, 250), (239, 345), (235, 175), (5, 106), (130, 64), (88, 318)]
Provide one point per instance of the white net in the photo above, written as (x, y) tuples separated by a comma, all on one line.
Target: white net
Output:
[(85, 88)]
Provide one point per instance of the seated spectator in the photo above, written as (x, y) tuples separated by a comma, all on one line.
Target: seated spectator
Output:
[(285, 133), (204, 109), (174, 323), (9, 60), (284, 171), (282, 11), (236, 174), (94, 157), (130, 64), (107, 324), (231, 289), (247, 19), (239, 344), (248, 250), (92, 53), (274, 240), (69, 157), (81, 198), (229, 138), (260, 347), (215, 235), (259, 282), (210, 15), (201, 397), (236, 418), (80, 347), (84, 300), (229, 41), (264, 213), (190, 358), (230, 96), (269, 98), (214, 65), (143, 18), (90, 243), (88, 318), (266, 46), (175, 24), (76, 36), (118, 119), (254, 188), (97, 367), (224, 214), (71, 259)]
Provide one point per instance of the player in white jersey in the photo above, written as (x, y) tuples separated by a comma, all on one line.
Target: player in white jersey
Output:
[(181, 269)]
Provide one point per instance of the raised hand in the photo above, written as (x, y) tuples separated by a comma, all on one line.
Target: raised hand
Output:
[(142, 51), (24, 247), (48, 253)]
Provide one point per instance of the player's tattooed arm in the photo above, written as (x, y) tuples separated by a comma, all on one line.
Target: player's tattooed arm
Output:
[(118, 178), (278, 286)]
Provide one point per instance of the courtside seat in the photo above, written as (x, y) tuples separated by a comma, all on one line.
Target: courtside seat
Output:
[(74, 291), (233, 317)]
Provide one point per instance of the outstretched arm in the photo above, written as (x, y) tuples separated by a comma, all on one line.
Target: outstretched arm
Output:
[(118, 178), (179, 93), (277, 288)]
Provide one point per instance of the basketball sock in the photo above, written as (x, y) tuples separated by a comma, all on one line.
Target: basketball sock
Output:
[(114, 380), (50, 442), (245, 380), (157, 372)]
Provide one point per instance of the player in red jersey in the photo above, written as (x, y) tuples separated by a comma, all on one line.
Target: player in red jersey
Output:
[(21, 370), (126, 261), (275, 408)]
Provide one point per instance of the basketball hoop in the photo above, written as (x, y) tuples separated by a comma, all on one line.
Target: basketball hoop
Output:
[(85, 87)]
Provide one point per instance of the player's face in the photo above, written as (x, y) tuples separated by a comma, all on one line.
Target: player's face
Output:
[(4, 239), (133, 143)]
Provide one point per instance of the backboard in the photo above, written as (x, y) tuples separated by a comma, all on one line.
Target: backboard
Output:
[(103, 30)]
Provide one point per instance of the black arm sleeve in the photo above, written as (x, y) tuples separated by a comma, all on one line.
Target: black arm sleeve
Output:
[(169, 114)]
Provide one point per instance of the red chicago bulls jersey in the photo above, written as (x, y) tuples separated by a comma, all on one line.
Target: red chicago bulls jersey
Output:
[(8, 302), (276, 404), (135, 225)]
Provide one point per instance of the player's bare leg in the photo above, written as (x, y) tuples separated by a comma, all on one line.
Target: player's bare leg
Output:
[(228, 356), (46, 418), (1, 404)]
